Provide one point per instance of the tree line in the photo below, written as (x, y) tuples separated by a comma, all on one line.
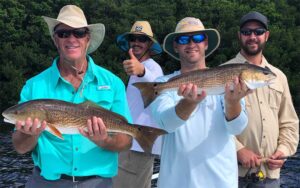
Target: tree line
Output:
[(27, 48)]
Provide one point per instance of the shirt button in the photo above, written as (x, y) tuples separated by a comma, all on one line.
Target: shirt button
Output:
[(264, 119), (73, 92), (75, 169), (76, 149), (260, 102)]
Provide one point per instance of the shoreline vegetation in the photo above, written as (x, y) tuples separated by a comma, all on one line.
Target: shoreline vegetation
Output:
[(27, 48)]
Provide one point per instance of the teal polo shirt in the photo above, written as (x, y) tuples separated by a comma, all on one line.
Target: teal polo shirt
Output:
[(76, 155)]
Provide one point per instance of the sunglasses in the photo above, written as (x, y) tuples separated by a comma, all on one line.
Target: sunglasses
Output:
[(185, 39), (257, 32), (78, 33), (140, 38)]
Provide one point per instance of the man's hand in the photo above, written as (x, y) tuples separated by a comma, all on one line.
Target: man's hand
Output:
[(248, 158), (30, 127), (96, 130), (274, 162), (235, 93), (27, 132), (132, 66), (190, 93), (190, 100)]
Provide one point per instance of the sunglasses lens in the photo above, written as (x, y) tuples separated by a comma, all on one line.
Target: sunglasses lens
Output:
[(182, 39), (198, 38), (63, 33), (246, 32), (140, 38), (259, 31), (78, 33)]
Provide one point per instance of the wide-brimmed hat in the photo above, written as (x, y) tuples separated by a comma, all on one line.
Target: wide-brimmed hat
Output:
[(73, 16), (254, 16), (191, 25), (139, 28)]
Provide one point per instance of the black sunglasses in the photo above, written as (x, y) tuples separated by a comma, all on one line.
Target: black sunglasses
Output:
[(257, 32), (66, 33), (140, 38), (185, 39)]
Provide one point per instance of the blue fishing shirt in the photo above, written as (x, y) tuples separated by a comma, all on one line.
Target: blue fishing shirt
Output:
[(76, 155), (198, 152)]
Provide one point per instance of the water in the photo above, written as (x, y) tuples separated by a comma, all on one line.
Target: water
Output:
[(15, 169)]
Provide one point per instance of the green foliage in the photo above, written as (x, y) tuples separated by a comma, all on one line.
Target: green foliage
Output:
[(27, 49)]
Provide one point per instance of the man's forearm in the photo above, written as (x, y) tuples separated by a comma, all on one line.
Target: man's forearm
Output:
[(233, 111), (23, 143), (117, 142), (184, 108)]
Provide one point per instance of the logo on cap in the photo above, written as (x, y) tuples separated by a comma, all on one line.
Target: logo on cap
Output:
[(139, 28)]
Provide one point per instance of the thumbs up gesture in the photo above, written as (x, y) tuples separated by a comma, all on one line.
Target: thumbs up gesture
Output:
[(133, 66)]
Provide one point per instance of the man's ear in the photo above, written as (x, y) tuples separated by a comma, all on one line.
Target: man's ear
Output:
[(267, 35), (175, 47), (206, 44), (55, 41)]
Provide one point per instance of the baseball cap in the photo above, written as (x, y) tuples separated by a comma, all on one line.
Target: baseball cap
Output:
[(254, 16)]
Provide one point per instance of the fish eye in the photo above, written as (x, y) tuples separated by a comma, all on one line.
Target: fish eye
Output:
[(266, 72), (16, 112)]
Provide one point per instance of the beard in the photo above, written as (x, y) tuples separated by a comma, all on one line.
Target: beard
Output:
[(252, 52)]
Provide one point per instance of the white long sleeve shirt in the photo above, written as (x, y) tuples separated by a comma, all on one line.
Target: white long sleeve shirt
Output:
[(139, 114), (200, 151)]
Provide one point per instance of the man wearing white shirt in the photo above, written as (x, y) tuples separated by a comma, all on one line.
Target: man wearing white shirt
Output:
[(135, 166)]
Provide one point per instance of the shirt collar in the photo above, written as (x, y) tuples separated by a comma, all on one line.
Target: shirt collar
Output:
[(264, 62), (89, 75)]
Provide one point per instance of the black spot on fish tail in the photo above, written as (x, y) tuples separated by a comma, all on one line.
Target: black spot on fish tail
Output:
[(146, 136)]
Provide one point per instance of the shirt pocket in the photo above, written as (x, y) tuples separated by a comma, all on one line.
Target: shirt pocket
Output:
[(275, 95), (103, 98)]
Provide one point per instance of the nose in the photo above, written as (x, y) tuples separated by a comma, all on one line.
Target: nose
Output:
[(191, 43), (252, 35)]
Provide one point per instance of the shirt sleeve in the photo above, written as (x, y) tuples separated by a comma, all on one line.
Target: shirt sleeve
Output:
[(237, 125), (288, 123), (120, 104), (25, 94), (152, 71), (163, 112)]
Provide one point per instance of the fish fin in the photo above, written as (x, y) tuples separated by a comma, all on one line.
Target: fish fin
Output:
[(147, 135), (54, 131), (86, 104), (249, 85), (147, 90)]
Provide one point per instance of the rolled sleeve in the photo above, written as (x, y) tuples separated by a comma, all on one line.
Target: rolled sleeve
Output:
[(237, 125), (163, 111)]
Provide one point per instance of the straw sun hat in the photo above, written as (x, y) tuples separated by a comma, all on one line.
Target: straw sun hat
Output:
[(73, 16), (139, 28), (191, 25)]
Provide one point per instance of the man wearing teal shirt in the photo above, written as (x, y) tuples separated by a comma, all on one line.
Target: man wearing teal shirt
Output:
[(89, 159)]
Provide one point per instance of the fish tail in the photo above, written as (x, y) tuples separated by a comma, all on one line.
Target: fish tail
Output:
[(147, 91), (146, 136)]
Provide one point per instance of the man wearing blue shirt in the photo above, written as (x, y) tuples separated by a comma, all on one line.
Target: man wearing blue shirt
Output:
[(89, 159), (199, 150)]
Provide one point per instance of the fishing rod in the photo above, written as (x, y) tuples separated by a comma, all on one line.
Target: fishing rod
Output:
[(292, 157)]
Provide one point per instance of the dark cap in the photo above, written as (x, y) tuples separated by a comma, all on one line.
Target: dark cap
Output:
[(254, 16)]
